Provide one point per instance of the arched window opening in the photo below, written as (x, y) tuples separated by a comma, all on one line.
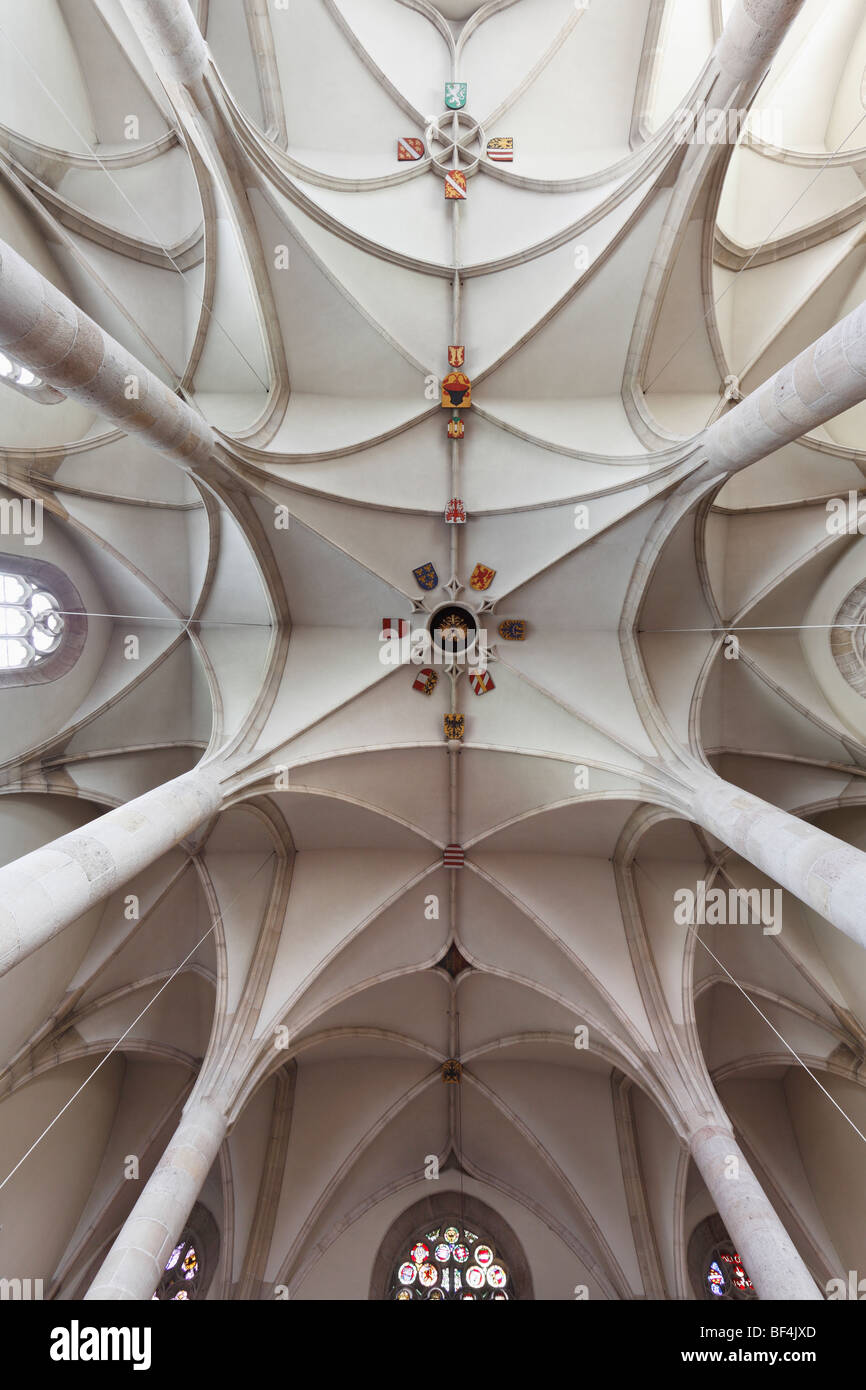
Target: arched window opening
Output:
[(182, 1276), (449, 1261), (32, 625), (18, 376), (192, 1263), (27, 382), (43, 625), (725, 1275), (451, 1245), (715, 1268)]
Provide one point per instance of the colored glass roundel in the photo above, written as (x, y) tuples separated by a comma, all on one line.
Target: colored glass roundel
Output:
[(462, 1266)]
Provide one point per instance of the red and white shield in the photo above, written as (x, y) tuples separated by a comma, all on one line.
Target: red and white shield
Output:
[(408, 147), (481, 682)]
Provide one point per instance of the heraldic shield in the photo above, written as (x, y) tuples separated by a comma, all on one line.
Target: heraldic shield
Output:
[(456, 355), (455, 95), (482, 577), (426, 680), (408, 147), (501, 150), (512, 630), (481, 682), (455, 184), (455, 725), (426, 576), (456, 391)]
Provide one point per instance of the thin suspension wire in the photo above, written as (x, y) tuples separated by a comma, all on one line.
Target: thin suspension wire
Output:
[(785, 215), (692, 928), (115, 1045), (168, 621), (135, 211), (768, 627)]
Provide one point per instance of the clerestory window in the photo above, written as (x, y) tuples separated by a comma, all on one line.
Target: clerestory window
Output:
[(32, 624)]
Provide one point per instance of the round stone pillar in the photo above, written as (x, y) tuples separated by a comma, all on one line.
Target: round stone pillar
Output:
[(769, 1255), (42, 329), (45, 891), (827, 874), (134, 1264)]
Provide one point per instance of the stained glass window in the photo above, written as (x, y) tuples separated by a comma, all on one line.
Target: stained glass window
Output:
[(450, 1262), (726, 1276), (183, 1271), (31, 624)]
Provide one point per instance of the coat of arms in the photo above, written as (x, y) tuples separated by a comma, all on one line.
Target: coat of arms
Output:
[(455, 512), (456, 391), (481, 577), (426, 576), (408, 147), (455, 95), (455, 725), (455, 184), (501, 150), (426, 680)]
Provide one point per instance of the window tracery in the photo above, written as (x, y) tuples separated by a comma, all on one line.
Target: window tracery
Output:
[(32, 625), (450, 1262)]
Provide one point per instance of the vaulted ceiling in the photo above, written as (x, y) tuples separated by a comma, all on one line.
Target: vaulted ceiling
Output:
[(266, 255)]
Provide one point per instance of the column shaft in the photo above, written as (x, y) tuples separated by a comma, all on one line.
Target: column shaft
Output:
[(134, 1264), (751, 36), (768, 1253), (171, 37), (827, 874), (43, 330), (46, 890), (828, 377)]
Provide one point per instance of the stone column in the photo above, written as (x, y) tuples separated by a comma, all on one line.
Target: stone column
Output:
[(822, 871), (767, 1251), (828, 377), (43, 330), (45, 891), (751, 36), (173, 40), (134, 1264)]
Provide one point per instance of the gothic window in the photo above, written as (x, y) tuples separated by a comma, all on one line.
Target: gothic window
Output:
[(715, 1268), (27, 383), (182, 1276), (450, 1262), (193, 1262), (17, 376), (43, 625), (725, 1275), (31, 622)]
